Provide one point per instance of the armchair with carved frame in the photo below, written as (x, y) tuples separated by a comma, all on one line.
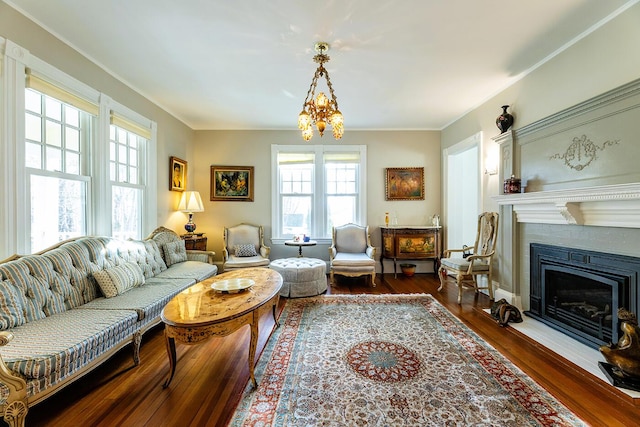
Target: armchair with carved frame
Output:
[(466, 269)]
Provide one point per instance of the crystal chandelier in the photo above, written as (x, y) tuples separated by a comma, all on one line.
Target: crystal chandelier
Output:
[(320, 110)]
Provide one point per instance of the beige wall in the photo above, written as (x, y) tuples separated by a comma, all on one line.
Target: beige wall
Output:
[(174, 137), (605, 59), (253, 148)]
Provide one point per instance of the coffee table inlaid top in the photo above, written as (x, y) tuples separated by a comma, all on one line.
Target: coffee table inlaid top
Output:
[(201, 305)]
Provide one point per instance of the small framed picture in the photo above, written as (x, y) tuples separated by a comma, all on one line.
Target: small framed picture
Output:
[(177, 174), (232, 183), (404, 183)]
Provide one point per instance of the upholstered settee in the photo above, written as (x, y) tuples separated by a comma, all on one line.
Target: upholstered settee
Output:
[(65, 310)]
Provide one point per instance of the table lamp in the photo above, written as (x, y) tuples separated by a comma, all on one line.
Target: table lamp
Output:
[(190, 202)]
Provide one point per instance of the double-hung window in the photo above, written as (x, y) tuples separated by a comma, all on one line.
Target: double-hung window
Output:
[(127, 148), (316, 188), (82, 163), (58, 137)]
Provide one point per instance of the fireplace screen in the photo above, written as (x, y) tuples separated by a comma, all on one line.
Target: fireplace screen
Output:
[(581, 301), (579, 292)]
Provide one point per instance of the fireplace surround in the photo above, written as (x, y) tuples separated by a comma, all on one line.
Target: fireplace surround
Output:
[(578, 292)]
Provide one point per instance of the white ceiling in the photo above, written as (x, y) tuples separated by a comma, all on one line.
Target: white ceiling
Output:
[(247, 64)]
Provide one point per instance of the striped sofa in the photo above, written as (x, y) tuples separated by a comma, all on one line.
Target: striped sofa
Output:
[(69, 308)]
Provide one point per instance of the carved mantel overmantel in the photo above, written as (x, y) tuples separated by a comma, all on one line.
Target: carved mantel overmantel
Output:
[(604, 206)]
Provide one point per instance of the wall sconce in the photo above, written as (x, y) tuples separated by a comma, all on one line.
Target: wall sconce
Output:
[(490, 166)]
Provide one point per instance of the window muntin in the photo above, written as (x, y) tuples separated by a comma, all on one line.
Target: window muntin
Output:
[(126, 151), (318, 188), (57, 137)]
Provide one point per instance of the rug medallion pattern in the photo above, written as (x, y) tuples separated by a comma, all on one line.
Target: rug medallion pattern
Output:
[(388, 360)]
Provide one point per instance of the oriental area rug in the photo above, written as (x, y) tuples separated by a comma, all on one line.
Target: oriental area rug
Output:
[(388, 360)]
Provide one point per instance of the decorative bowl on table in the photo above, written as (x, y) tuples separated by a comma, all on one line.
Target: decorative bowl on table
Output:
[(232, 286)]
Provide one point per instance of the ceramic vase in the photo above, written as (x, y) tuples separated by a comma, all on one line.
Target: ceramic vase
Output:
[(504, 120), (408, 269)]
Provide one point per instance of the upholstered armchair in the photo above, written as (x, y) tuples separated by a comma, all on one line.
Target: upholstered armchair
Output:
[(244, 247), (351, 253), (466, 269)]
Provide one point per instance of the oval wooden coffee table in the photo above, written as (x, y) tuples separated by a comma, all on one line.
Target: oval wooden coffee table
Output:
[(200, 312)]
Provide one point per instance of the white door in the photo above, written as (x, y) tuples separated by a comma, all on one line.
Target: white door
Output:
[(462, 192)]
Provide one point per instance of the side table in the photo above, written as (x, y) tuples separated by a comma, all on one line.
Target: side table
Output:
[(196, 242), (300, 244)]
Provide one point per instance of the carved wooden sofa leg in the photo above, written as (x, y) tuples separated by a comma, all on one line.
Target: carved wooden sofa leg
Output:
[(137, 339), (15, 406), (15, 413)]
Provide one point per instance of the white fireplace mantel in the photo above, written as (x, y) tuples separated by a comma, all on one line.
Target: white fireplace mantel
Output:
[(605, 206)]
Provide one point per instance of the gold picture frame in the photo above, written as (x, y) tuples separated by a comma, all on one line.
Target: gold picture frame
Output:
[(404, 183), (177, 174), (232, 183)]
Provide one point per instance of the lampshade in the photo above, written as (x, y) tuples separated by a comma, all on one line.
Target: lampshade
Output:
[(190, 202)]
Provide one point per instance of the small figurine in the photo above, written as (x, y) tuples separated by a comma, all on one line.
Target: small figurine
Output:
[(625, 355)]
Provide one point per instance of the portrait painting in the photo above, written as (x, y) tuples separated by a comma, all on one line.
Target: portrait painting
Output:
[(177, 174), (232, 183), (404, 183)]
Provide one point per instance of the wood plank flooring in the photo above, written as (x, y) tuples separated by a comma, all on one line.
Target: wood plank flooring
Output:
[(211, 376)]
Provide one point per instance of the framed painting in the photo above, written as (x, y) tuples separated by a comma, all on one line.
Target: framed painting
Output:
[(177, 174), (404, 183), (232, 183)]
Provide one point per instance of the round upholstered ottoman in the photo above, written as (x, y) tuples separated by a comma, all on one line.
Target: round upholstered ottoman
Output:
[(301, 277)]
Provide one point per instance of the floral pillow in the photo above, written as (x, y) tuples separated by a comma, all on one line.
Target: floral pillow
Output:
[(245, 250)]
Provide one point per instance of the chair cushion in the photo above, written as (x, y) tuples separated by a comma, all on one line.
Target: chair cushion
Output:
[(118, 280), (463, 264), (244, 262), (352, 260), (245, 250), (174, 252)]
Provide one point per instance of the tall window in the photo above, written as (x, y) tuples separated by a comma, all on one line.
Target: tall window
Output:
[(318, 187), (57, 140), (126, 174)]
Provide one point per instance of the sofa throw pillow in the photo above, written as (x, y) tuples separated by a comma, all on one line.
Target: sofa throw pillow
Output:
[(174, 252), (119, 279), (245, 250)]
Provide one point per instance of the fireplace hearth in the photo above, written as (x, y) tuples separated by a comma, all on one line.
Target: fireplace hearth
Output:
[(578, 292)]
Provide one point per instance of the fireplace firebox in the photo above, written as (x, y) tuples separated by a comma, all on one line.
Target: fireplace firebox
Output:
[(578, 292)]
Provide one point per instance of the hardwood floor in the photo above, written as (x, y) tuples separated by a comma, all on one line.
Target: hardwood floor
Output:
[(211, 376)]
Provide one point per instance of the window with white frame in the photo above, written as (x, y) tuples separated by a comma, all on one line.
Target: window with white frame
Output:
[(318, 187), (86, 172), (58, 135), (127, 148)]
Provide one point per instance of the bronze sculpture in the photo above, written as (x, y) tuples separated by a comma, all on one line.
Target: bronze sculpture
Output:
[(625, 355)]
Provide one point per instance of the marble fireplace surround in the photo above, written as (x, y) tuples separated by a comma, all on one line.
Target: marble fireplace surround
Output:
[(593, 206)]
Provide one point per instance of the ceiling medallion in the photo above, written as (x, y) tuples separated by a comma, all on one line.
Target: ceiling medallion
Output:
[(320, 110)]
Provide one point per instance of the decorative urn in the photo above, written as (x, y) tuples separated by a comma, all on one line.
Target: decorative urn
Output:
[(504, 120)]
